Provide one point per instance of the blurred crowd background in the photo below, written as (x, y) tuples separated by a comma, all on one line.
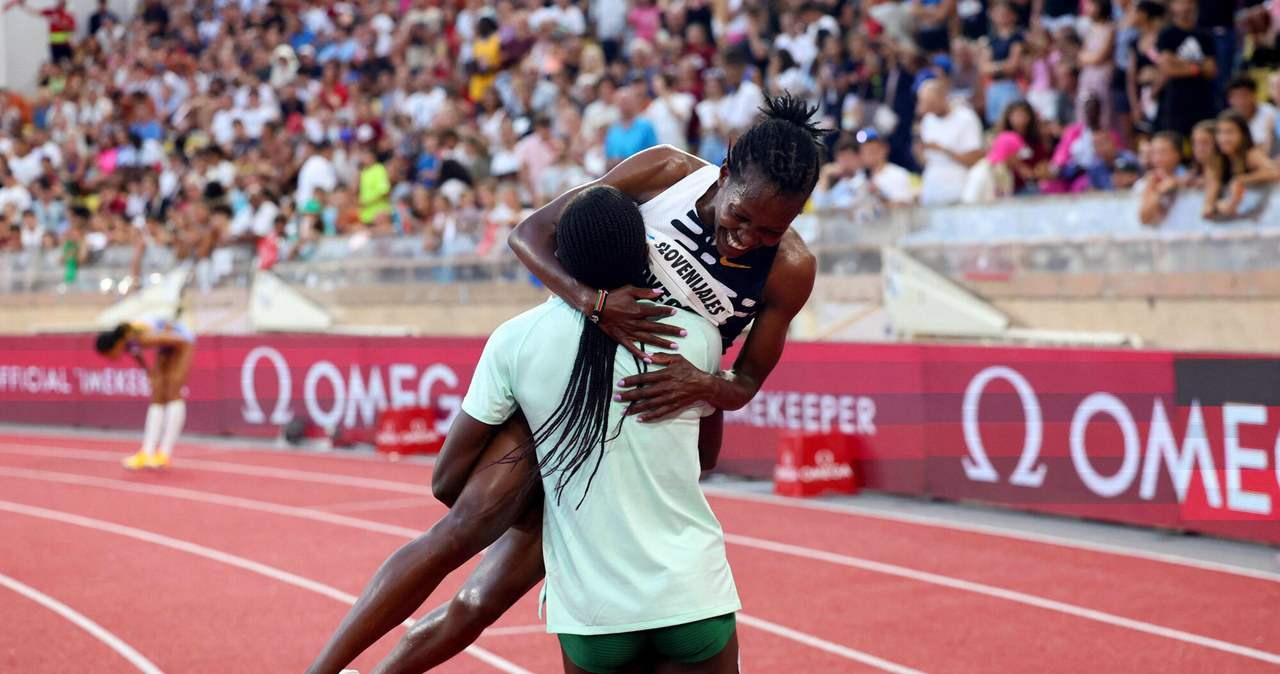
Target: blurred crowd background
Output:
[(274, 125)]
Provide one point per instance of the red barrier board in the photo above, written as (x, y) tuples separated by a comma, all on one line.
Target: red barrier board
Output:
[(408, 431), (1145, 437)]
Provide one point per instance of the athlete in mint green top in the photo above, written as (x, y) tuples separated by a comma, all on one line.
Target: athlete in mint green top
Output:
[(634, 558), (643, 550)]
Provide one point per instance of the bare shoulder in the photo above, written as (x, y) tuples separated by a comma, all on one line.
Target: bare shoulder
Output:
[(794, 255), (791, 279), (648, 172)]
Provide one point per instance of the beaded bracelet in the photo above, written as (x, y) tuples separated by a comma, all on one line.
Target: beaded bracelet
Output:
[(601, 296)]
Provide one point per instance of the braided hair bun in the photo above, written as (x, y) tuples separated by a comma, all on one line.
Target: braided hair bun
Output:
[(784, 145)]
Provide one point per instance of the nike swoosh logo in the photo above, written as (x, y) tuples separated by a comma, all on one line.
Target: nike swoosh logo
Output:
[(725, 261)]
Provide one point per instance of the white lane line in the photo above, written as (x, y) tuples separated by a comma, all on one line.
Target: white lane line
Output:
[(384, 504), (78, 619), (857, 511), (1001, 593), (209, 497), (181, 463), (824, 645), (230, 560), (941, 523), (263, 506), (519, 629)]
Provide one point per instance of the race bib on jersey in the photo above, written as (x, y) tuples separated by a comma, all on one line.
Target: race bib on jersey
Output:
[(686, 278)]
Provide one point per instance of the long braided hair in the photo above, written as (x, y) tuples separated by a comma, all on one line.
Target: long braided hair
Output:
[(785, 145), (600, 240)]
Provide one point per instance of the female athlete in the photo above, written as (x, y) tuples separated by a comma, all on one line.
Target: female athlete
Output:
[(175, 346), (720, 245)]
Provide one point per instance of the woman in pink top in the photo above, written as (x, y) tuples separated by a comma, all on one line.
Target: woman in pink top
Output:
[(644, 19), (1097, 61)]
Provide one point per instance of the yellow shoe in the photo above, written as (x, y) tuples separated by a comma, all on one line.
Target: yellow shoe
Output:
[(157, 461), (136, 461)]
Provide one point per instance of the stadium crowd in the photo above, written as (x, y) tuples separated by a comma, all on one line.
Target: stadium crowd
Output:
[(198, 125)]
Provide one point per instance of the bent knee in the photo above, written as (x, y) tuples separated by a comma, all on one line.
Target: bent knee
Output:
[(474, 609)]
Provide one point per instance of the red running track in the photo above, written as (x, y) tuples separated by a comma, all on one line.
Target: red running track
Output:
[(241, 560)]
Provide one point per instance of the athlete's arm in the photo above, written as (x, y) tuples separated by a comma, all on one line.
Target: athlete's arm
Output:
[(640, 176), (666, 391), (710, 433), (463, 445)]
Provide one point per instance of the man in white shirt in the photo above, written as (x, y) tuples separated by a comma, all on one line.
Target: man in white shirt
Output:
[(422, 105), (836, 186), (258, 219), (32, 233), (950, 143), (742, 105), (1242, 95), (317, 172), (13, 192), (885, 180), (222, 124)]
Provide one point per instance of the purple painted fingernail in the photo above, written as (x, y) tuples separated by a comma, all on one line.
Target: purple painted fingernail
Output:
[(617, 398), (648, 360), (684, 333), (622, 383), (675, 347), (673, 312), (640, 419)]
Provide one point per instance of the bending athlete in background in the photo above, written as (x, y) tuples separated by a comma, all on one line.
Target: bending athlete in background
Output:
[(174, 346), (726, 251)]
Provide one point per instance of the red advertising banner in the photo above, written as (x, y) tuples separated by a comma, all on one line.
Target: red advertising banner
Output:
[(1145, 437)]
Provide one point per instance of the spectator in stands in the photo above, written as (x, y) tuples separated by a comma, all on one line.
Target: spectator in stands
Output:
[(885, 182), (933, 19), (1187, 60), (630, 134), (838, 180), (992, 177), (13, 192), (669, 112), (1143, 79), (536, 155), (1020, 118), (1076, 152), (74, 254), (1242, 96), (32, 234), (62, 28), (1204, 153), (1159, 187), (1054, 15), (950, 143), (709, 111), (1002, 60), (375, 186), (1097, 61), (1240, 166)]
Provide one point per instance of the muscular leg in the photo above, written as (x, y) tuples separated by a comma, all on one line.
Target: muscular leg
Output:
[(494, 498), (175, 411), (509, 569), (154, 424)]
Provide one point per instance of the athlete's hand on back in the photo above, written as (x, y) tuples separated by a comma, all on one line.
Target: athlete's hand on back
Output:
[(629, 322), (659, 394)]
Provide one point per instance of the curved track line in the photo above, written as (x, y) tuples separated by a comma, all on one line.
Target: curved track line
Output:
[(1008, 595), (291, 511), (230, 560), (941, 523), (710, 490), (78, 619)]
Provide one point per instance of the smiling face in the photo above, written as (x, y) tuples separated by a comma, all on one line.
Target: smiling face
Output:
[(750, 213), (1230, 138)]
